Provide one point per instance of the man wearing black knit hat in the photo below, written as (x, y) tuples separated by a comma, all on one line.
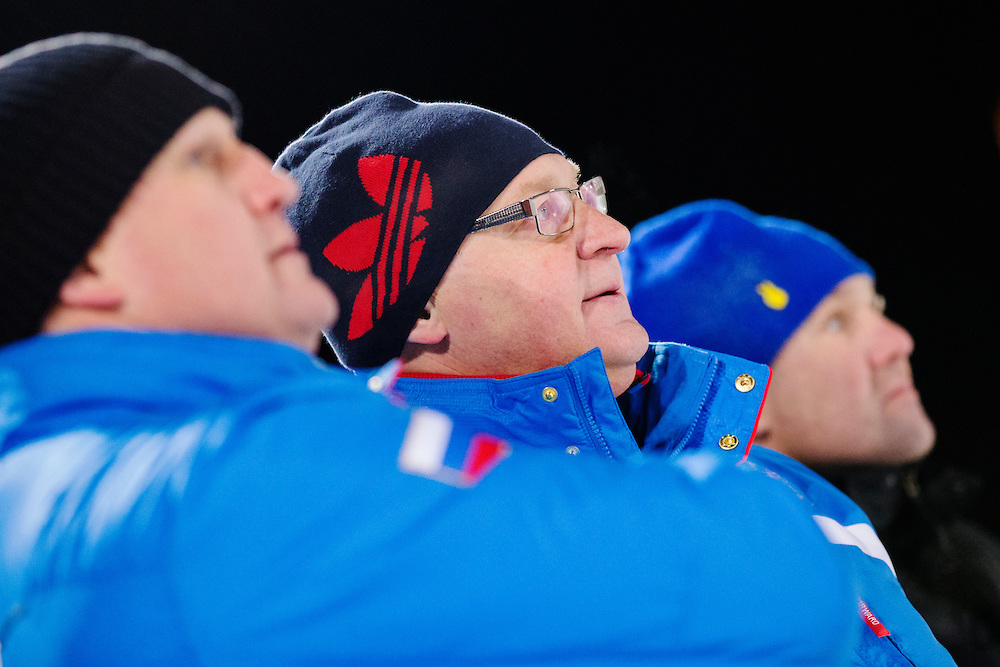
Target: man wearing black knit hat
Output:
[(182, 483), (460, 241)]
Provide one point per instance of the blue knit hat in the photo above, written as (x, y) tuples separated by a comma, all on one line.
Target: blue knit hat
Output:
[(715, 275), (390, 189)]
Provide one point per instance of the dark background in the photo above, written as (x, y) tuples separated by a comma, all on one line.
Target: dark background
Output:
[(873, 124)]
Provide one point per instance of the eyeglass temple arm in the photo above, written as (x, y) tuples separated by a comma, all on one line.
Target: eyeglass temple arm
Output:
[(513, 212)]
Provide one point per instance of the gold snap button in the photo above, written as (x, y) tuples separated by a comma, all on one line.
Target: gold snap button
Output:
[(728, 442), (550, 394), (745, 383), (573, 449)]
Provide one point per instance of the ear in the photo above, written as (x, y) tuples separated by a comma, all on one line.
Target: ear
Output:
[(86, 289), (429, 329)]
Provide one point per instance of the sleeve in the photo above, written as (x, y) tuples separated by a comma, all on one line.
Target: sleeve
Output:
[(301, 540)]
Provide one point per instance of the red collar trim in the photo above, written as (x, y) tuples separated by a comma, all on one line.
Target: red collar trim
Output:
[(642, 378), (756, 422), (444, 376)]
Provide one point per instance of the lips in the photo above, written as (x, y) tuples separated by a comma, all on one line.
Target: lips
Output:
[(613, 291), (902, 389), (289, 247)]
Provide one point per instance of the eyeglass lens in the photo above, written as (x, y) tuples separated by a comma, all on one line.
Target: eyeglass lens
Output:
[(594, 194), (554, 210)]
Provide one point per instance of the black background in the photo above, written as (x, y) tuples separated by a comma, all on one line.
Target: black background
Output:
[(876, 125)]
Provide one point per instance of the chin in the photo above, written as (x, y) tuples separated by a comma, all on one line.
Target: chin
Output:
[(634, 341), (912, 435), (919, 444), (620, 359), (621, 353), (318, 308)]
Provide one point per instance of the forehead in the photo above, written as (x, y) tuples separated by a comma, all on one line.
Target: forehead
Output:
[(208, 124), (858, 288), (544, 173), (171, 177), (853, 292)]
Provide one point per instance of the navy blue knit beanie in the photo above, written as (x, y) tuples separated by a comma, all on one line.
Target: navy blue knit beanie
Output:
[(80, 118), (390, 189), (715, 275)]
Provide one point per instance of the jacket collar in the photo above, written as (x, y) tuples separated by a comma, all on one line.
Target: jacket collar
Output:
[(571, 407), (688, 398), (94, 374), (695, 400)]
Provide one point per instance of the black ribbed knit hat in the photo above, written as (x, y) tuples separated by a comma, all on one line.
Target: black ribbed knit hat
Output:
[(80, 118)]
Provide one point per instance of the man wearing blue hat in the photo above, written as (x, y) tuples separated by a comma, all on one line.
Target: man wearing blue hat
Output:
[(182, 483), (715, 275), (463, 243), (841, 400)]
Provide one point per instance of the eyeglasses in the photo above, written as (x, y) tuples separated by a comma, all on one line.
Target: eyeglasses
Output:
[(553, 211)]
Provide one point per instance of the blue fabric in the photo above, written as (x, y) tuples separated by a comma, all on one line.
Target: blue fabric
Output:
[(183, 499), (911, 641), (718, 276), (699, 395), (688, 406)]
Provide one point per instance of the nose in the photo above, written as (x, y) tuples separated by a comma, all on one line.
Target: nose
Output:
[(267, 190), (891, 342), (600, 234)]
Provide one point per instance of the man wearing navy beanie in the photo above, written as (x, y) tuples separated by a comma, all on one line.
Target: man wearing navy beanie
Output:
[(462, 243)]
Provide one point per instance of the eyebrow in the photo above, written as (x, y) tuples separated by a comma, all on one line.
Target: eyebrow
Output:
[(547, 183)]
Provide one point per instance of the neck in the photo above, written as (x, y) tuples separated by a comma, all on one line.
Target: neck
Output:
[(622, 379)]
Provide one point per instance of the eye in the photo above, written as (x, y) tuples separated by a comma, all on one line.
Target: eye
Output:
[(205, 155), (555, 207), (835, 322), (543, 211), (547, 210)]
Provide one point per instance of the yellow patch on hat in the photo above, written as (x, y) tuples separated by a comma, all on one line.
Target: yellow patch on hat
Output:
[(773, 296)]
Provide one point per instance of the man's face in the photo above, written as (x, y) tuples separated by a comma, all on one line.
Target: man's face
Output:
[(201, 243), (842, 391), (516, 302)]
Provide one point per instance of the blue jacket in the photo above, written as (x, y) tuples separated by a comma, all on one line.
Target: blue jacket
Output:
[(689, 401), (187, 499), (694, 401)]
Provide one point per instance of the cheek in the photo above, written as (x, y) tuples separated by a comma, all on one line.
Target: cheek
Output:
[(834, 388), (844, 371), (519, 309), (522, 284), (530, 291)]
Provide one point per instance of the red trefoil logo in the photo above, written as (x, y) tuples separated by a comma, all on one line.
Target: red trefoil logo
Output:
[(386, 245)]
